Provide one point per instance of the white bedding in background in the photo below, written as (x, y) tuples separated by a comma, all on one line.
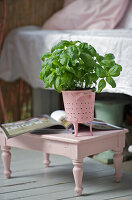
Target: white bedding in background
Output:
[(20, 57)]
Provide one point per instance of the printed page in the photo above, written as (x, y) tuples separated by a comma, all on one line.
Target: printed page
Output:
[(20, 127)]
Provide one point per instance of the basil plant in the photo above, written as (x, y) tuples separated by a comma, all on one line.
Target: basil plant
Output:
[(75, 65)]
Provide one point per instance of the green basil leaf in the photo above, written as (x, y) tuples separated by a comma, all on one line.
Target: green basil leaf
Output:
[(83, 47), (64, 59), (92, 50), (45, 72), (109, 56), (51, 79), (57, 84), (42, 66), (101, 85), (70, 69), (60, 45), (67, 80), (115, 70), (72, 52), (93, 78), (100, 72), (56, 63), (45, 55), (99, 58), (107, 63), (42, 74), (111, 81), (58, 71), (88, 60)]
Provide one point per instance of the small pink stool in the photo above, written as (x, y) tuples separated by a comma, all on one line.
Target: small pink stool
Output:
[(76, 148)]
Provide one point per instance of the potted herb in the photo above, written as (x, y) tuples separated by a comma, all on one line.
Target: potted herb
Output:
[(78, 71)]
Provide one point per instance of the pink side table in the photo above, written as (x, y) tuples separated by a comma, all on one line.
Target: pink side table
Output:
[(70, 146)]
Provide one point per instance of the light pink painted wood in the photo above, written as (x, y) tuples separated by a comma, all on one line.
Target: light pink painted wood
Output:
[(46, 160), (78, 174), (6, 158), (117, 164), (84, 136), (2, 139), (75, 128), (79, 107), (76, 148)]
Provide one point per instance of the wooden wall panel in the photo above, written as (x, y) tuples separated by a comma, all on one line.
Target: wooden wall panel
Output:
[(18, 95), (28, 12)]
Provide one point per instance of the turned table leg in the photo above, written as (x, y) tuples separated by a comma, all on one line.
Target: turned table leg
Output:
[(6, 158), (78, 174), (46, 160), (117, 164)]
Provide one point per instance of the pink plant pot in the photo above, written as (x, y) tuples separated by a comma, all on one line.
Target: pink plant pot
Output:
[(79, 107)]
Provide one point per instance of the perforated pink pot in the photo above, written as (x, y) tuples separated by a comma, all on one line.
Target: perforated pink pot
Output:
[(79, 107)]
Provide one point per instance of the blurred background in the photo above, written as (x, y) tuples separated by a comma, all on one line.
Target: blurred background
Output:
[(17, 94)]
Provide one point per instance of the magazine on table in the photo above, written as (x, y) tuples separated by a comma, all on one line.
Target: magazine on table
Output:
[(39, 125), (56, 123)]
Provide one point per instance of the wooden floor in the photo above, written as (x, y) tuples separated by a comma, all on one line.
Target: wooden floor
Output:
[(31, 181), (127, 166)]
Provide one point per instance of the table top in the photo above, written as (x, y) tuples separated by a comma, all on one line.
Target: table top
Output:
[(82, 136)]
